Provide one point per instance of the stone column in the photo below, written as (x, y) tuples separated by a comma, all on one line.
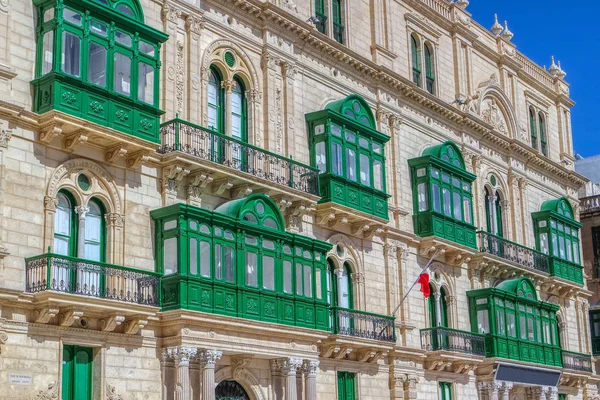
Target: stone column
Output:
[(286, 367), (537, 393), (438, 309), (181, 356), (114, 251), (311, 368), (505, 388), (228, 86), (81, 211), (208, 359), (552, 393)]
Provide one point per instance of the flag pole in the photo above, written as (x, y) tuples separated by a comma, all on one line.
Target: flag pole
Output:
[(415, 282)]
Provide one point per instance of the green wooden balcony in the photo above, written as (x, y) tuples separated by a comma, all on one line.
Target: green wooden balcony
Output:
[(89, 278), (453, 340), (205, 144), (566, 270), (522, 350), (513, 252), (362, 324), (577, 361)]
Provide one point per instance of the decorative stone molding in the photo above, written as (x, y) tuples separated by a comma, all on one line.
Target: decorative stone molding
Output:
[(208, 358), (286, 366), (5, 135), (47, 134), (43, 315), (111, 393), (109, 324), (114, 219), (48, 394), (115, 152), (67, 317), (170, 13), (50, 203), (71, 142), (135, 160), (131, 327), (311, 367), (194, 24)]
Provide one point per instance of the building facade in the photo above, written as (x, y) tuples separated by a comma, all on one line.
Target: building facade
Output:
[(233, 199)]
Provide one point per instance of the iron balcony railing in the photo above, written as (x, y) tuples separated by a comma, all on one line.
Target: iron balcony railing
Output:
[(434, 339), (89, 278), (512, 251), (362, 324), (590, 204), (206, 144), (576, 361)]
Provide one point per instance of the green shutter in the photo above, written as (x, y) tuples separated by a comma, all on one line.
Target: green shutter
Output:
[(443, 308), (432, 310), (346, 386), (532, 128), (498, 205), (67, 372)]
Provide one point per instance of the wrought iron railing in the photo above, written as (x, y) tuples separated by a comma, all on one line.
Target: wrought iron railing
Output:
[(589, 204), (362, 324), (434, 339), (206, 144), (89, 278), (576, 361), (512, 251)]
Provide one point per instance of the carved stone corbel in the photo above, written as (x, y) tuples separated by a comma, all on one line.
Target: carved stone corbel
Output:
[(43, 315), (373, 231), (343, 352), (220, 186), (132, 326), (109, 324), (282, 202), (359, 228), (200, 179), (71, 142), (115, 152), (67, 317), (241, 191), (175, 172), (135, 160), (338, 221), (325, 218), (47, 134), (364, 354)]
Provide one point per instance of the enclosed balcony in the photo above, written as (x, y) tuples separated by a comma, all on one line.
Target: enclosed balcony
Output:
[(73, 287), (232, 166)]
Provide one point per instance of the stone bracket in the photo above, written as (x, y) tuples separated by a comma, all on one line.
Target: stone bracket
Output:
[(241, 191), (220, 186), (71, 142), (43, 315), (132, 326), (109, 324), (135, 160), (47, 134), (67, 317), (115, 152)]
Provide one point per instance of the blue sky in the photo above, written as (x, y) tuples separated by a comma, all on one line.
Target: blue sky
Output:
[(568, 31)]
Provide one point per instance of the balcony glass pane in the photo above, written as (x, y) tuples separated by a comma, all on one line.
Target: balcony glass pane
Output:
[(287, 277), (447, 202), (97, 64), (544, 243), (500, 322), (351, 164), (170, 256), (61, 245), (308, 281), (298, 278), (321, 157), (194, 256), (48, 52), (72, 17), (457, 206), (218, 262), (336, 158), (122, 74), (377, 175), (268, 272), (483, 323), (437, 201), (229, 264), (511, 328), (422, 191), (522, 327), (467, 210), (99, 28), (146, 83), (123, 38), (205, 259), (365, 170), (71, 54), (251, 276)]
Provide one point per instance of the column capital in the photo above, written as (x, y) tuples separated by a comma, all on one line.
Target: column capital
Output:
[(50, 203), (181, 355), (81, 211), (208, 358), (229, 85), (114, 219), (286, 366), (311, 367), (505, 387)]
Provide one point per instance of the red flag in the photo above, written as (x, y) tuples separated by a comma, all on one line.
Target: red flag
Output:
[(424, 281)]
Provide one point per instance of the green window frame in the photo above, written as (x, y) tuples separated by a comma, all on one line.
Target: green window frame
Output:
[(445, 390), (416, 60), (543, 140), (429, 68), (515, 323), (493, 213), (238, 260), (95, 231), (346, 386), (321, 16), (557, 235), (562, 396), (100, 62), (77, 375), (442, 194), (239, 111), (338, 25), (350, 155), (532, 128)]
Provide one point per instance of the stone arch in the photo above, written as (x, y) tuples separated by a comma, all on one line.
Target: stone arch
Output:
[(102, 187), (245, 378), (215, 55), (440, 278), (495, 108)]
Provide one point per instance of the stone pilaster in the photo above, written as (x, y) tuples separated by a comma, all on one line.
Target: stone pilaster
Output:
[(289, 76), (194, 26), (172, 54), (208, 360), (273, 105)]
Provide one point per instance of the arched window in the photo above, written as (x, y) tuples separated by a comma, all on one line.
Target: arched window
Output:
[(429, 73), (543, 141), (65, 227), (532, 128), (230, 390), (493, 213), (438, 307), (239, 111), (416, 60), (94, 231), (215, 101)]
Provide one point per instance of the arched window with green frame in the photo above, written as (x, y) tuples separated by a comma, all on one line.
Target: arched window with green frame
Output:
[(416, 60), (516, 324), (532, 128), (429, 68), (442, 195), (239, 260), (543, 140), (349, 152), (557, 235), (94, 240), (239, 111), (65, 225), (99, 61), (216, 98)]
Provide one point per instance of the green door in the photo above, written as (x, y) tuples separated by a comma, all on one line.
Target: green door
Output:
[(346, 386), (77, 373)]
